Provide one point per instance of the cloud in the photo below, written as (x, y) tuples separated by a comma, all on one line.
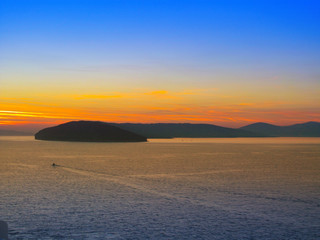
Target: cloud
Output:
[(245, 104), (93, 96), (161, 94), (157, 93)]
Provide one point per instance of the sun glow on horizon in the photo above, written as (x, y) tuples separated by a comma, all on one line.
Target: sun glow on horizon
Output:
[(163, 106)]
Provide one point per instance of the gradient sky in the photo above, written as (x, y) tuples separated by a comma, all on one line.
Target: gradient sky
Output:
[(229, 63)]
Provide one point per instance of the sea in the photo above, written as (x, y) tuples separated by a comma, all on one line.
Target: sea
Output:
[(223, 188)]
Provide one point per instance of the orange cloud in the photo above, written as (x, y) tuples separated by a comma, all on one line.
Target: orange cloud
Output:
[(98, 96), (245, 104), (142, 96), (159, 92)]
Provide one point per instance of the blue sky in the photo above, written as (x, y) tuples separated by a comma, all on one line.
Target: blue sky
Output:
[(278, 34)]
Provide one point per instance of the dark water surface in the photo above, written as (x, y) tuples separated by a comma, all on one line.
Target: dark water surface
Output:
[(163, 189)]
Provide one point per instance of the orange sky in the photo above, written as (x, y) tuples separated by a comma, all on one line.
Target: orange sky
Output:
[(31, 111)]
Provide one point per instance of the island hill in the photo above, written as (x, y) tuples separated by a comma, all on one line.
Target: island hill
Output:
[(308, 129), (88, 131), (187, 130)]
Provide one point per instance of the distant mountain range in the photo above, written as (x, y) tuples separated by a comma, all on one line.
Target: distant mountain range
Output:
[(13, 133), (176, 130), (309, 129)]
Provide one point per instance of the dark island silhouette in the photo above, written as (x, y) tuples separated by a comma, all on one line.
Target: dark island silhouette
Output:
[(88, 131), (186, 130), (308, 129), (91, 131)]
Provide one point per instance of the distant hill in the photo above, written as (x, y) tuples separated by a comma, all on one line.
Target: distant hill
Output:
[(88, 131), (13, 133), (309, 129), (173, 130)]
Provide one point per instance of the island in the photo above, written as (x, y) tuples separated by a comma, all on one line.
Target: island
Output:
[(308, 129), (88, 131), (184, 130)]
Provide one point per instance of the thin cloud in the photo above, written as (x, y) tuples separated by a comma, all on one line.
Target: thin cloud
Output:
[(93, 96)]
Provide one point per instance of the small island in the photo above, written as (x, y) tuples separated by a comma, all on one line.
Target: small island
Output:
[(88, 131)]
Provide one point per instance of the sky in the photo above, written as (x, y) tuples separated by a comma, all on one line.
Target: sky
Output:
[(229, 63)]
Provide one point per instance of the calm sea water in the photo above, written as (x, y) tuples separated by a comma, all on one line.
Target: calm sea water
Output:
[(163, 189)]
